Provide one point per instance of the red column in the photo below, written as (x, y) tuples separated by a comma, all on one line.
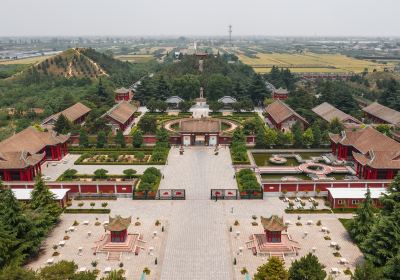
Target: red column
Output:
[(21, 175), (52, 152), (59, 152)]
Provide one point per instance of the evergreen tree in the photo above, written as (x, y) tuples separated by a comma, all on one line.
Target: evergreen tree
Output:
[(274, 269), (391, 199), (257, 90), (15, 272), (367, 271), (101, 139), (316, 134), (137, 139), (62, 124), (307, 267), (383, 241), (101, 91), (238, 136), (364, 220), (8, 246), (83, 139), (61, 270), (297, 135), (163, 90), (392, 268), (120, 139), (261, 142)]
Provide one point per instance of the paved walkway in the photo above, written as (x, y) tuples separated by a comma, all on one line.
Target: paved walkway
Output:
[(198, 244)]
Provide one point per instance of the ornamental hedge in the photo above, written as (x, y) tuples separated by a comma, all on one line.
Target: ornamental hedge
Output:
[(87, 211), (247, 180)]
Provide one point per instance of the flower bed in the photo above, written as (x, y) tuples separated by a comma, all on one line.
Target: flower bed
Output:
[(116, 158)]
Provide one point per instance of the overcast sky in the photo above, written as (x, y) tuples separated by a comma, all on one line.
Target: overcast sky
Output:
[(200, 17)]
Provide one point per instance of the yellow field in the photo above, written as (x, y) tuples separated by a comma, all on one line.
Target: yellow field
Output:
[(29, 60), (136, 58), (311, 62)]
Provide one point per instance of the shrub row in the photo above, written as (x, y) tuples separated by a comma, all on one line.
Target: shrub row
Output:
[(87, 211), (150, 180), (308, 211), (247, 180)]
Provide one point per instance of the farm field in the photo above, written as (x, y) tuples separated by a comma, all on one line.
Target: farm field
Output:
[(136, 58), (28, 60), (310, 62)]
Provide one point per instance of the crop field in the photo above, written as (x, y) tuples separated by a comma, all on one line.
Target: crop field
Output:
[(28, 60), (310, 62), (135, 58)]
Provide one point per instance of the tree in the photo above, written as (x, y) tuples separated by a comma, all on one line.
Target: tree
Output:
[(137, 139), (100, 173), (140, 155), (62, 124), (336, 126), (364, 220), (392, 268), (8, 246), (70, 174), (383, 241), (261, 141), (85, 275), (274, 269), (152, 106), (271, 136), (42, 198), (101, 139), (257, 90), (215, 106), (148, 124), (297, 135), (367, 271), (162, 135), (129, 173), (185, 106), (186, 86), (101, 91), (307, 267), (317, 136), (308, 137), (218, 86), (284, 138), (83, 139), (392, 198), (238, 136), (63, 270), (115, 275), (120, 139), (383, 128), (162, 106), (17, 273)]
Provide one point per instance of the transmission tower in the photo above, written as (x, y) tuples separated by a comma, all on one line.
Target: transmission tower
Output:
[(230, 35)]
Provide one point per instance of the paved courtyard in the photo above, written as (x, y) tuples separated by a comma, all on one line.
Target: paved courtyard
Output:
[(196, 243)]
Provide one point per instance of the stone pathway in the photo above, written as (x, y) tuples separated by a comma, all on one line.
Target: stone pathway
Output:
[(198, 244)]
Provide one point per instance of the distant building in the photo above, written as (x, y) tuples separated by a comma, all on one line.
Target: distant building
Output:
[(174, 101), (60, 195), (375, 155), (378, 113), (123, 94), (227, 101), (22, 154), (281, 116), (120, 116), (280, 94), (352, 197), (76, 114), (327, 112)]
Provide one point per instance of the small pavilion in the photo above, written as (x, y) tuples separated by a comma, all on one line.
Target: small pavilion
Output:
[(118, 228), (273, 228), (275, 241)]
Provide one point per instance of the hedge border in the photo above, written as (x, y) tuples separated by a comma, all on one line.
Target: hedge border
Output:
[(87, 211)]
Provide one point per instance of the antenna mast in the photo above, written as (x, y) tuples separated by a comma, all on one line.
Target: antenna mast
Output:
[(230, 35)]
